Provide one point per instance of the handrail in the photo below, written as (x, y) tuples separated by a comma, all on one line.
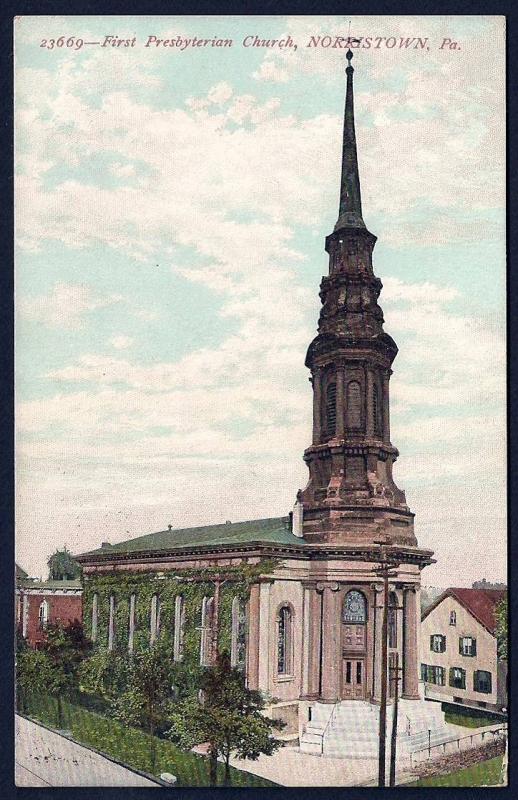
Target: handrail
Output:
[(327, 726), (458, 739)]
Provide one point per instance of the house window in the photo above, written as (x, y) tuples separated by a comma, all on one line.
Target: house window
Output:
[(155, 618), (453, 617), (179, 624), (355, 608), (43, 615), (354, 405), (111, 623), (95, 616), (435, 675), (284, 641), (392, 620), (467, 646), (207, 614), (423, 672), (437, 643), (331, 409), (131, 630), (458, 677), (238, 638), (482, 681)]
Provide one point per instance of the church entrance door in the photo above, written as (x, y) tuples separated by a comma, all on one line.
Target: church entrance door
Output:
[(353, 684)]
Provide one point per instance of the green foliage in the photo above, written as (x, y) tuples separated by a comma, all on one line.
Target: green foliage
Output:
[(104, 674), (131, 746), (62, 566), (501, 628), (191, 584), (229, 718), (66, 646)]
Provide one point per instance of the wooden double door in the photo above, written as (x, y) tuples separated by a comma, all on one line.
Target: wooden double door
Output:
[(353, 662)]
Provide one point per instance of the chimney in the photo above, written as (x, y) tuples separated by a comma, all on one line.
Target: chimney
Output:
[(169, 527), (106, 544)]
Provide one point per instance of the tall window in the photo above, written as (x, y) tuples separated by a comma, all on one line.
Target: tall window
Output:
[(284, 641), (331, 409), (458, 677), (392, 619), (238, 640), (437, 643), (155, 618), (95, 616), (354, 405), (376, 409), (179, 624), (355, 608), (111, 623), (43, 615), (207, 613), (131, 629), (482, 681), (453, 617), (467, 646)]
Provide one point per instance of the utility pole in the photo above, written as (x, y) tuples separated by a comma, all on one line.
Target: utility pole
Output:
[(396, 669), (384, 571)]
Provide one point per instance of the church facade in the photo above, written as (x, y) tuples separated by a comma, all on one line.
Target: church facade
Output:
[(298, 600)]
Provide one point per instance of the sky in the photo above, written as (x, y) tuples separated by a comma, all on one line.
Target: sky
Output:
[(171, 210)]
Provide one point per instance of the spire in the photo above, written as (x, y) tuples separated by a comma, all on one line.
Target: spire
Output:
[(350, 213)]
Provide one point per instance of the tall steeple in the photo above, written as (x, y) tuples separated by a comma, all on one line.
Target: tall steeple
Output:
[(350, 211), (351, 496)]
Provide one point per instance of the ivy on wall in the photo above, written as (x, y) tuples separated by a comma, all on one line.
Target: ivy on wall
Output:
[(192, 585)]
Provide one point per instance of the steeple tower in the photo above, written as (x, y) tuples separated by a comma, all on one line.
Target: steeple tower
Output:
[(351, 496), (350, 211)]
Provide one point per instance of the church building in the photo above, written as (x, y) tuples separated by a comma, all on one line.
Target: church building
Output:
[(297, 600)]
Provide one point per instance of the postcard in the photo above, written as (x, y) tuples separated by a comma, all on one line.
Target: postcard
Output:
[(261, 401)]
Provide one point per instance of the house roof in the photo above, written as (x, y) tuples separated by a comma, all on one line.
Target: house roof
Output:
[(30, 583), (481, 604), (20, 572), (275, 530)]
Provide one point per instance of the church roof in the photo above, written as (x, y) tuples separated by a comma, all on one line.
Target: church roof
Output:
[(481, 604), (275, 530)]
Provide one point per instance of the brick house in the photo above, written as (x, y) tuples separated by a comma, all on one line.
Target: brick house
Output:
[(40, 603), (459, 656)]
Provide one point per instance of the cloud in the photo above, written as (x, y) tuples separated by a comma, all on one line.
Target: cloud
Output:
[(121, 342), (66, 306)]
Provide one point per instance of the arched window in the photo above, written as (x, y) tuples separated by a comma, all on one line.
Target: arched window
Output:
[(131, 630), (331, 409), (111, 623), (207, 614), (43, 615), (354, 405), (284, 641), (179, 624), (392, 619), (376, 409), (453, 617), (238, 639), (95, 616), (355, 608), (155, 618)]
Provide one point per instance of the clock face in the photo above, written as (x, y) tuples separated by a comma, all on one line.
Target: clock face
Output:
[(354, 610)]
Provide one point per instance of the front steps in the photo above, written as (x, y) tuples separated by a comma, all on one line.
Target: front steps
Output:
[(350, 729)]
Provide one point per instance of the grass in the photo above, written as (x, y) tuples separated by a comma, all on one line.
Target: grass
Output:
[(131, 746), (467, 719), (486, 773)]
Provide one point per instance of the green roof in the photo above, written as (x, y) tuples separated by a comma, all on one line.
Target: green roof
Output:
[(264, 531)]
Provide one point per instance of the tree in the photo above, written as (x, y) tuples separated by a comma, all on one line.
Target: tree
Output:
[(37, 673), (62, 566), (148, 693), (65, 647), (501, 628), (229, 717)]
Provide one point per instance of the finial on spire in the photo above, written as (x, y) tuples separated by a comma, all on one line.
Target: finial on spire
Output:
[(350, 212)]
